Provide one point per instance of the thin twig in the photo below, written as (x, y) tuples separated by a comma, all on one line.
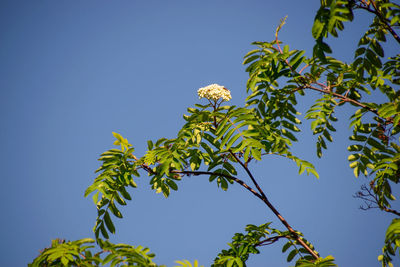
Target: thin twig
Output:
[(343, 98), (237, 180), (370, 199), (270, 240)]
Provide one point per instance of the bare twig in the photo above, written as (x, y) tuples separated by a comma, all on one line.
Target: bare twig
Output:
[(371, 200)]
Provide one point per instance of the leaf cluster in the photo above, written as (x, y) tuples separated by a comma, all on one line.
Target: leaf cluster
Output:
[(79, 253), (115, 175)]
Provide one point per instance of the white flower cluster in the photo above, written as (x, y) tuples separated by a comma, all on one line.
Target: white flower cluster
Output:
[(214, 92)]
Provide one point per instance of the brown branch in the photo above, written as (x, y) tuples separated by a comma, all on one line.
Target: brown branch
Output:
[(270, 240), (237, 180), (275, 211), (385, 21), (390, 210), (343, 98), (376, 12), (325, 91), (260, 196), (370, 199), (249, 173), (302, 69)]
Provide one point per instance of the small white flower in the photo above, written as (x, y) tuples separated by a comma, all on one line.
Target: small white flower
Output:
[(214, 92)]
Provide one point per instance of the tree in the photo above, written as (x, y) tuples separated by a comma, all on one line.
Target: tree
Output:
[(217, 140)]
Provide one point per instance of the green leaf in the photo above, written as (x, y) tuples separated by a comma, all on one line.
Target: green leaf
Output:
[(317, 28), (223, 183), (287, 246), (373, 58), (114, 210), (172, 184), (150, 145), (355, 148), (250, 59), (103, 231), (291, 255), (109, 258), (247, 153), (376, 144), (95, 197), (377, 48), (124, 193), (109, 223), (256, 153), (64, 261), (232, 141)]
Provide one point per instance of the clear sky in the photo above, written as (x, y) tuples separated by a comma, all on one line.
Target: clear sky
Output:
[(72, 72)]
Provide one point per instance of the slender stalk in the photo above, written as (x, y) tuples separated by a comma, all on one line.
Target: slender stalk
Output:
[(270, 240), (237, 180)]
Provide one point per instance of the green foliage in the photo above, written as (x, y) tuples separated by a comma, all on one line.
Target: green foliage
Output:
[(321, 262), (243, 245), (322, 114), (116, 174), (375, 148), (392, 243), (78, 253), (61, 253), (375, 152), (218, 141), (186, 263), (126, 255), (329, 20)]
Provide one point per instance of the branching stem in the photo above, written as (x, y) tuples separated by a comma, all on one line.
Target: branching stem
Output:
[(371, 199)]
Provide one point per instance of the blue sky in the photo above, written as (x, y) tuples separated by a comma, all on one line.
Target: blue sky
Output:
[(72, 72)]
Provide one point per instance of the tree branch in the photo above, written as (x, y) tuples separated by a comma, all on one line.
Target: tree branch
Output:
[(343, 98), (270, 240), (276, 212), (237, 180), (377, 13), (371, 199)]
